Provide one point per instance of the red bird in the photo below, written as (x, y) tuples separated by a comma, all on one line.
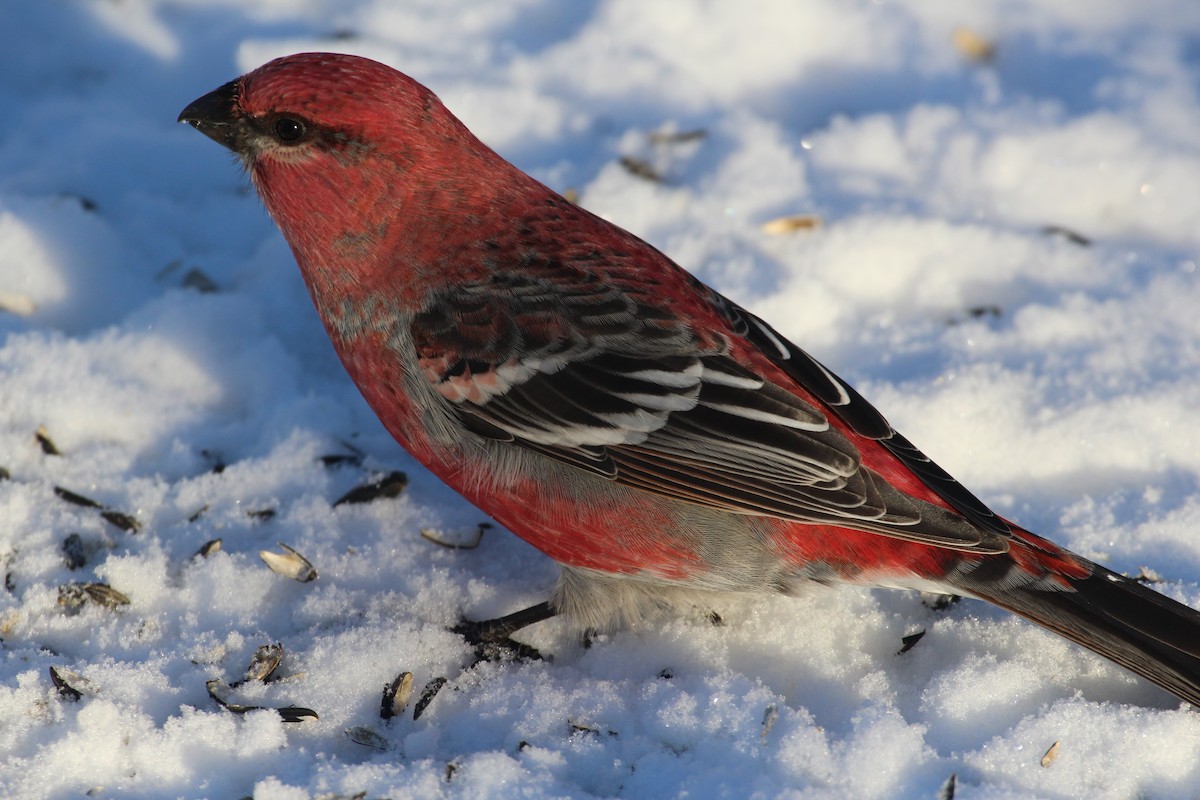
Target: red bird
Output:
[(657, 440)]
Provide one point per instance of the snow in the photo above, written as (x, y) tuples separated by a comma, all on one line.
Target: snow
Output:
[(1003, 259)]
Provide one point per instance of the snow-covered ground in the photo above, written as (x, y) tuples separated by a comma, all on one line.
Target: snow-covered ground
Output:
[(1004, 260)]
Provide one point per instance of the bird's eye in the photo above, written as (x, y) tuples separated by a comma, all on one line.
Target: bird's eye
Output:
[(289, 129)]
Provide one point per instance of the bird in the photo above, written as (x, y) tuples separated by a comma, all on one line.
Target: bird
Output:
[(663, 444)]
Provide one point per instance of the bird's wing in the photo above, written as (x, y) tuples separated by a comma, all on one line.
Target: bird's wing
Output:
[(607, 379), (862, 417)]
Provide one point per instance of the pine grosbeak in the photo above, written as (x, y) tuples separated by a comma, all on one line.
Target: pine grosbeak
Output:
[(657, 440)]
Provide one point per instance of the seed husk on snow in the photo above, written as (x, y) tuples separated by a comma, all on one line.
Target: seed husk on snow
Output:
[(74, 595), (74, 498), (289, 564), (1066, 233), (47, 444), (17, 303), (10, 580), (116, 518), (770, 717), (208, 548), (121, 520), (396, 696), (427, 694), (261, 514), (217, 461), (62, 680), (262, 668), (576, 728), (640, 168), (973, 46), (435, 536), (74, 553), (793, 223), (198, 280), (363, 735), (263, 663), (910, 641), (390, 485), (677, 137), (219, 691), (335, 460)]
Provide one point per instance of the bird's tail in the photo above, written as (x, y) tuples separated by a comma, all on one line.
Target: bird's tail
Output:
[(1117, 617)]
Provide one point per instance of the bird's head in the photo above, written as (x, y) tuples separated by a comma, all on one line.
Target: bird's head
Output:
[(316, 106), (352, 158)]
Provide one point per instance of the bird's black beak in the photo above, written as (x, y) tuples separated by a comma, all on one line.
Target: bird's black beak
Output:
[(215, 115)]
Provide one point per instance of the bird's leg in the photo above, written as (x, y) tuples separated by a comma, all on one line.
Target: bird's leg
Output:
[(491, 637)]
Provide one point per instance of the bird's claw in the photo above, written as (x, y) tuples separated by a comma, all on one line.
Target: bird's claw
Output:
[(492, 638), (491, 643)]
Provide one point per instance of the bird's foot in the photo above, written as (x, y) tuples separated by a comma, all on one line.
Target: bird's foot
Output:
[(492, 638)]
